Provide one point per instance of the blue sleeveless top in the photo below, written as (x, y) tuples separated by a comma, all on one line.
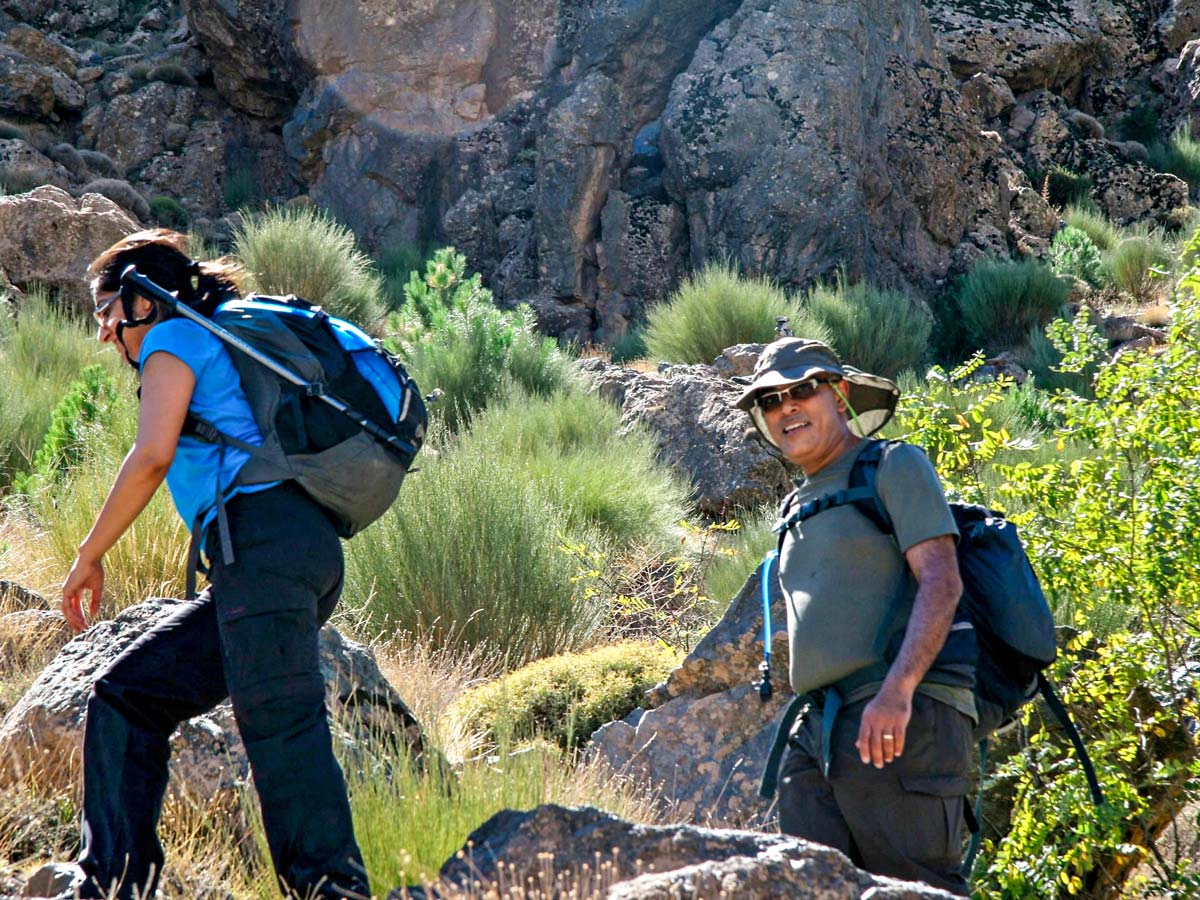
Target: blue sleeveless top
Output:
[(198, 469)]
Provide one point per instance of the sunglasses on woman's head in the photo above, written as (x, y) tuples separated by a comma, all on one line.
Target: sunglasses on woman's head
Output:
[(801, 390)]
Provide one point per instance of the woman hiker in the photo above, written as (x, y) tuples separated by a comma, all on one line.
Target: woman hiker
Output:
[(251, 635)]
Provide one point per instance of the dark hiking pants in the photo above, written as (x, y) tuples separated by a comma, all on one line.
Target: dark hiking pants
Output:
[(904, 820), (250, 636)]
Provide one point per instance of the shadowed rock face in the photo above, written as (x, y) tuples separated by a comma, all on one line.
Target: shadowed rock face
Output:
[(585, 852)]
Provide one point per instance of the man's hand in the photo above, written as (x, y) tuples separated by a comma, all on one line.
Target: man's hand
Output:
[(883, 726), (87, 575)]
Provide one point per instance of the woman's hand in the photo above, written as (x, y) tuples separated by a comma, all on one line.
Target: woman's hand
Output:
[(87, 575)]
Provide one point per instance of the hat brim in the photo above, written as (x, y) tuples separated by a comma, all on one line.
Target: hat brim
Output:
[(871, 398), (777, 378)]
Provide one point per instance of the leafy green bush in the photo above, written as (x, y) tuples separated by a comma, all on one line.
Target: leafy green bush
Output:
[(472, 555), (170, 213), (1062, 187), (84, 407), (41, 353), (567, 445), (1001, 299), (876, 329), (305, 252), (1074, 253), (1138, 265), (1043, 359), (1088, 218), (738, 555), (457, 341), (1179, 155), (717, 308), (566, 698)]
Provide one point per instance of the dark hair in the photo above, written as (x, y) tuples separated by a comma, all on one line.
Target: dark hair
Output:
[(161, 255)]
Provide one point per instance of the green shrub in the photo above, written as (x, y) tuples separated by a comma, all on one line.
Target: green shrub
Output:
[(20, 179), (457, 341), (171, 73), (396, 264), (305, 252), (1043, 360), (1140, 124), (717, 308), (876, 329), (138, 72), (1062, 187), (241, 189), (41, 353), (1001, 299), (630, 346), (1179, 155), (1073, 253), (1088, 218), (100, 163), (84, 407), (567, 445), (472, 555), (121, 193), (566, 698), (739, 553), (68, 157), (170, 213), (1138, 265)]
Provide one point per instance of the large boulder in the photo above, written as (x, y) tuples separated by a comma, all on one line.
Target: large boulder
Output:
[(1182, 106), (689, 409), (1178, 24), (48, 237), (29, 88), (703, 742), (861, 155), (1033, 44), (43, 733), (586, 852)]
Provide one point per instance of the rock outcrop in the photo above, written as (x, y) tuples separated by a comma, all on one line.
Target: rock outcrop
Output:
[(43, 732), (704, 739), (700, 433), (587, 853), (48, 237)]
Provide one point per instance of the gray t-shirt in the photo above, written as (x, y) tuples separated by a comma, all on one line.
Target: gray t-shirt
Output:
[(840, 574)]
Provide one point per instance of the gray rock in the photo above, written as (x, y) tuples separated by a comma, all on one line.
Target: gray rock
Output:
[(48, 237), (586, 849), (1179, 23), (43, 732), (22, 163), (608, 380), (988, 95), (738, 360), (862, 155), (1182, 102), (29, 88), (42, 48), (69, 17)]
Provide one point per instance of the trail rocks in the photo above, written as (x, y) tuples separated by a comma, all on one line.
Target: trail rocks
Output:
[(43, 732), (598, 854), (48, 237)]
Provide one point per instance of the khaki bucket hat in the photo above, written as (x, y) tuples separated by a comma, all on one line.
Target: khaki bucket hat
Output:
[(871, 398)]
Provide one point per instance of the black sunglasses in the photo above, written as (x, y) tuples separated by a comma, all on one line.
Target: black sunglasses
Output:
[(802, 390)]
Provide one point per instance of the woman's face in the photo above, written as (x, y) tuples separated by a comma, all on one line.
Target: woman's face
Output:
[(109, 313)]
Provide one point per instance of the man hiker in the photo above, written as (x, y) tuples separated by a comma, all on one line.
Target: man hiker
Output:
[(877, 764), (251, 635)]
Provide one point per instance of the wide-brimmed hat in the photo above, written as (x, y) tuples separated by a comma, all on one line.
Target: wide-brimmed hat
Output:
[(871, 398)]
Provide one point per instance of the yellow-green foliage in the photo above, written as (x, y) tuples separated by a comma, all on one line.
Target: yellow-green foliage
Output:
[(566, 698)]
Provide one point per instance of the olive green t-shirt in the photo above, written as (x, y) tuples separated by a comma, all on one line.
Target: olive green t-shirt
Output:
[(840, 574)]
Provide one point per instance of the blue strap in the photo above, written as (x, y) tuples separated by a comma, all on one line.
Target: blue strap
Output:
[(764, 579), (833, 705)]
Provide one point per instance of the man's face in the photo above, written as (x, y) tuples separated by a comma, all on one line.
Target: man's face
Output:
[(810, 431)]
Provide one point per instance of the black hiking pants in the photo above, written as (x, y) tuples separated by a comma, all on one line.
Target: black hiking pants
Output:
[(905, 820), (250, 636)]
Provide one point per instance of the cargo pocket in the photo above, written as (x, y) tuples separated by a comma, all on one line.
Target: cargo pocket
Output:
[(935, 834)]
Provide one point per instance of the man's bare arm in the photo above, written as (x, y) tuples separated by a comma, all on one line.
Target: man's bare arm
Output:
[(935, 566)]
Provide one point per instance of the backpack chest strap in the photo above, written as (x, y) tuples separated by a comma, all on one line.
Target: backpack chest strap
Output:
[(844, 497)]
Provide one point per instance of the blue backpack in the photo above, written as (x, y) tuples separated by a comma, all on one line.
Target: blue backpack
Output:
[(338, 414), (1013, 624)]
